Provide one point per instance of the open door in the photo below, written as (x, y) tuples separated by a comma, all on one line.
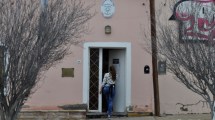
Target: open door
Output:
[(117, 58)]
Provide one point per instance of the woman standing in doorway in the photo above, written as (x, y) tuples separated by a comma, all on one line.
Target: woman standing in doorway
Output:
[(108, 86)]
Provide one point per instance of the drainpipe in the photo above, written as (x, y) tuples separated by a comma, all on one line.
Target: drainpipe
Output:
[(154, 58)]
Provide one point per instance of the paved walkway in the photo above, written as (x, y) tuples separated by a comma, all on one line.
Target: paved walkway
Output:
[(173, 117)]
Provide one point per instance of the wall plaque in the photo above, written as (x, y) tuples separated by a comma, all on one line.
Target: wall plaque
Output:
[(67, 72), (108, 8)]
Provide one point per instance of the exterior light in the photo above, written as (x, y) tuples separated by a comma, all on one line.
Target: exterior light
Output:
[(108, 29)]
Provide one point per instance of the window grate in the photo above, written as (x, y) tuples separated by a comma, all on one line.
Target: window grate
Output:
[(94, 79)]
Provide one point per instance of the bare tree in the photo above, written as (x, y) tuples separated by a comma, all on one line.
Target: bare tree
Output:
[(33, 37), (188, 47)]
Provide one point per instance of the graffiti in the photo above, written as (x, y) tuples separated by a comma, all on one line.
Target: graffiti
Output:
[(184, 107), (197, 19)]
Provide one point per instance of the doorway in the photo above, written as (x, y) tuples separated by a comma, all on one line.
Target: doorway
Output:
[(115, 57), (97, 59)]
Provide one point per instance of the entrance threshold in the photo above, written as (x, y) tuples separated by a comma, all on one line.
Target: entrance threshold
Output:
[(104, 115)]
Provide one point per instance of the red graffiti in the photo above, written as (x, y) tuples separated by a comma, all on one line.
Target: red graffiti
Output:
[(199, 23)]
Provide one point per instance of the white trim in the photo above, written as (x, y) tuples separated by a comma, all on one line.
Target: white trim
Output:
[(87, 47), (85, 74), (128, 75), (100, 77)]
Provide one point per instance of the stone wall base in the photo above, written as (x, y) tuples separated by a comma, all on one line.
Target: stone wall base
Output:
[(53, 115)]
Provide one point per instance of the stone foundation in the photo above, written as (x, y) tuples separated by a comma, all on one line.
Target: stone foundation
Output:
[(53, 115)]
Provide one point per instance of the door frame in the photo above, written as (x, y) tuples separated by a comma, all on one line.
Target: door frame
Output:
[(86, 69)]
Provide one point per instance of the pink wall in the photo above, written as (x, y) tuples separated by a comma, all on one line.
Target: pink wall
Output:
[(174, 94), (57, 90), (172, 91), (128, 23)]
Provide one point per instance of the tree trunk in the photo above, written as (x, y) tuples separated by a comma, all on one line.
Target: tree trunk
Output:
[(213, 111), (8, 115)]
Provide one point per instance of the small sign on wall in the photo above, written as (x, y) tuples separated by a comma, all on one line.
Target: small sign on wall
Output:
[(162, 67), (115, 61), (67, 72)]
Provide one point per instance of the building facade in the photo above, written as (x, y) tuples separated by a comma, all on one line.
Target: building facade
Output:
[(116, 36)]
